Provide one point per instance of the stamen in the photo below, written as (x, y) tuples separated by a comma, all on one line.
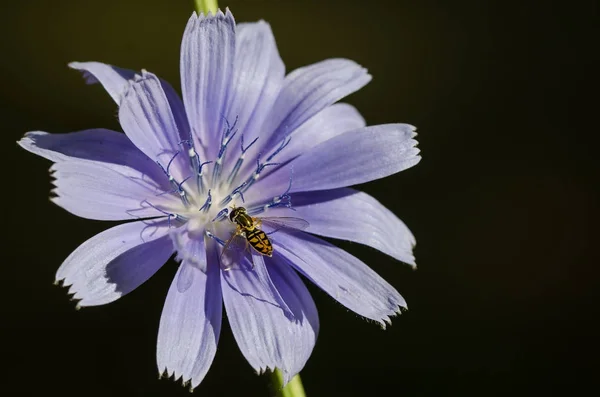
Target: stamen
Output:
[(221, 215), (179, 189), (240, 160), (279, 201), (283, 200), (238, 191), (206, 206), (182, 195), (195, 162), (199, 175), (169, 214), (171, 161), (218, 240), (166, 171), (282, 145), (192, 154), (259, 168), (228, 134), (247, 147)]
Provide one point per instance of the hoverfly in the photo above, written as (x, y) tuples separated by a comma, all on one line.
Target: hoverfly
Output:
[(250, 228)]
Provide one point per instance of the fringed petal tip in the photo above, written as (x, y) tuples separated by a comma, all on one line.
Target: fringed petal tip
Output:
[(60, 282), (412, 129), (186, 383), (387, 320), (287, 375), (412, 134), (220, 14), (114, 262)]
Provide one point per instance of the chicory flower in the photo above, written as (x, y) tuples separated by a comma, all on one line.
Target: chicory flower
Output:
[(245, 134)]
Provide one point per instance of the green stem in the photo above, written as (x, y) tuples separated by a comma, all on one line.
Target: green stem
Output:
[(294, 387), (206, 6)]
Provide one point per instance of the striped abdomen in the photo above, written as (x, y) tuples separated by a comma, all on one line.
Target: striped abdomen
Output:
[(259, 241)]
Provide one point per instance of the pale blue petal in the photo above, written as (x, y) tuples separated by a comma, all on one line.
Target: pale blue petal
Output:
[(348, 159), (190, 323), (341, 275), (328, 123), (147, 119), (101, 145), (310, 89), (257, 77), (348, 214), (116, 261), (115, 81), (207, 58), (268, 335), (303, 331), (93, 190)]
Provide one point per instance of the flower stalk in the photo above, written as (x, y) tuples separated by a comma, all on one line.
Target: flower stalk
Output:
[(294, 387), (206, 6)]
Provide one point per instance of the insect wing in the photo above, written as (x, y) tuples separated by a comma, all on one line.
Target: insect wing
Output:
[(284, 222), (233, 251)]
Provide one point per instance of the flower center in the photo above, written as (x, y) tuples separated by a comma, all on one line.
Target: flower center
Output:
[(212, 187)]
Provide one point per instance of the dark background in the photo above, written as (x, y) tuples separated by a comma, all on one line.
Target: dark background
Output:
[(502, 204)]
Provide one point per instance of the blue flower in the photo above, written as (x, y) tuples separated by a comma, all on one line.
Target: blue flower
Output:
[(245, 134)]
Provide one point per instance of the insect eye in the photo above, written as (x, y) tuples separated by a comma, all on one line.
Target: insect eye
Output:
[(232, 215)]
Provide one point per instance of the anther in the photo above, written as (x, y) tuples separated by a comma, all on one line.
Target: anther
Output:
[(199, 175), (283, 200), (218, 240), (244, 150), (171, 161), (238, 191), (169, 214), (202, 165), (228, 134), (282, 145), (179, 189), (221, 215), (240, 160), (206, 206)]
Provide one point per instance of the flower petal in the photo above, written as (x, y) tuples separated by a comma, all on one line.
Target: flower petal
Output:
[(115, 81), (190, 323), (351, 158), (305, 328), (268, 337), (101, 145), (258, 75), (341, 275), (310, 89), (147, 119), (253, 312), (94, 190), (351, 215), (207, 57), (116, 261), (328, 123)]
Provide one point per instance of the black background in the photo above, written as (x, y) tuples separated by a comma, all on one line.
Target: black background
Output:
[(502, 204)]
